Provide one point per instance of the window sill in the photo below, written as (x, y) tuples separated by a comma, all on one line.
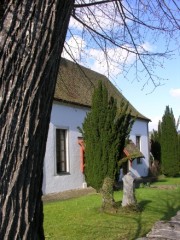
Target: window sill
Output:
[(62, 174)]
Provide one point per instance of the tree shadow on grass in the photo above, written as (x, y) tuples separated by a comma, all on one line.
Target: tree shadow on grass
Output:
[(162, 180), (142, 205), (170, 210), (167, 207), (135, 214)]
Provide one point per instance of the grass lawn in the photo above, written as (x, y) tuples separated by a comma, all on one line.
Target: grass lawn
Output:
[(81, 218)]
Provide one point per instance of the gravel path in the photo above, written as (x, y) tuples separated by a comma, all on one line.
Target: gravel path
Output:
[(67, 194)]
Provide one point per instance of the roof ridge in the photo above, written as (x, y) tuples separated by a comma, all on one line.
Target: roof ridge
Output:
[(76, 83)]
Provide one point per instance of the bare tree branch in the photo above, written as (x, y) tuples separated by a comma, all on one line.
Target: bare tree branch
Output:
[(92, 3), (128, 26)]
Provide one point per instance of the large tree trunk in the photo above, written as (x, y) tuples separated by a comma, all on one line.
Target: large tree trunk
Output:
[(32, 36), (108, 203)]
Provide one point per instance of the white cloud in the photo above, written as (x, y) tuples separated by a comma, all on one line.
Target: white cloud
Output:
[(109, 62), (75, 24), (73, 48), (154, 123), (105, 17), (175, 92), (146, 47), (155, 120), (114, 56)]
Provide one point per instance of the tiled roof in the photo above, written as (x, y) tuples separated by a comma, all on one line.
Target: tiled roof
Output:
[(75, 84)]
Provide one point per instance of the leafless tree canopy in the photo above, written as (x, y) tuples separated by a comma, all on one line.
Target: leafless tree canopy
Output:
[(124, 35)]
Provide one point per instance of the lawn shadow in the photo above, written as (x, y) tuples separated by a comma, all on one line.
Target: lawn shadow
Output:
[(171, 210), (162, 180), (134, 214), (142, 204)]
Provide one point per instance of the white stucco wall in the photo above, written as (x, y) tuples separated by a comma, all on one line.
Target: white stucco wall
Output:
[(140, 128), (70, 117)]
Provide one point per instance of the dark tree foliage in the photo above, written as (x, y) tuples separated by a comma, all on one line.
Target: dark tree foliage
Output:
[(169, 144), (105, 130), (155, 145), (179, 150)]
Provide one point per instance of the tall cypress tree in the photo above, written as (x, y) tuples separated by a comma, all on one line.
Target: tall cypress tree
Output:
[(169, 144), (179, 150), (178, 132), (104, 131)]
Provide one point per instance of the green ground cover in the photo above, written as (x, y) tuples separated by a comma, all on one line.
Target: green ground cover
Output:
[(168, 181), (81, 218)]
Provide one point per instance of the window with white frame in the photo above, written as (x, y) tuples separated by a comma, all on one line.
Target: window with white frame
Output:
[(61, 151), (138, 144)]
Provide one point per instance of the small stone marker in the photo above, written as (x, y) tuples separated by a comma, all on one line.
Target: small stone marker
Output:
[(128, 190)]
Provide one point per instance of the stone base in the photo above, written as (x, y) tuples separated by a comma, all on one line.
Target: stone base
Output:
[(84, 185)]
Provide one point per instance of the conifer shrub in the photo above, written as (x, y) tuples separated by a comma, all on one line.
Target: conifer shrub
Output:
[(169, 144), (105, 130)]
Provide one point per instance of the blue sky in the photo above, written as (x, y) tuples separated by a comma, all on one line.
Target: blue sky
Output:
[(152, 104), (149, 101)]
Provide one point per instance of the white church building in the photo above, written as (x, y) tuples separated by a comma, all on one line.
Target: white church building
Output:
[(63, 163)]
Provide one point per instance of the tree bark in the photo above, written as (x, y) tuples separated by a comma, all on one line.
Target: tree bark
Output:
[(108, 203), (32, 35)]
